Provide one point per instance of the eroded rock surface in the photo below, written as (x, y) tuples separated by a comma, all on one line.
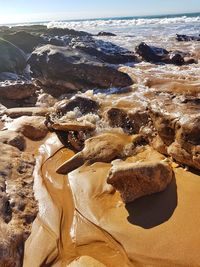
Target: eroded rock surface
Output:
[(74, 69), (18, 207), (134, 180)]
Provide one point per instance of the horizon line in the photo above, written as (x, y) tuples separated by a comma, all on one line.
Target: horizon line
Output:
[(100, 18)]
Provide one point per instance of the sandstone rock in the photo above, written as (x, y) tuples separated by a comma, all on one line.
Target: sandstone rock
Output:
[(72, 125), (101, 148), (27, 111), (12, 59), (24, 40), (86, 261), (134, 180), (18, 207), (12, 138), (31, 127), (73, 69), (164, 124), (129, 121), (17, 90)]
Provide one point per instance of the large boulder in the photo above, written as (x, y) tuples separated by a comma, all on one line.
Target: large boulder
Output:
[(24, 40), (12, 59), (134, 180), (73, 69)]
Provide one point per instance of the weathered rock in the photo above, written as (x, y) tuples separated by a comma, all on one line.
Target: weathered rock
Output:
[(85, 105), (130, 122), (134, 180), (69, 32), (104, 51), (12, 59), (32, 127), (106, 34), (187, 38), (27, 111), (18, 207), (12, 138), (71, 125), (73, 69), (164, 125), (102, 148), (17, 90), (24, 40), (160, 55)]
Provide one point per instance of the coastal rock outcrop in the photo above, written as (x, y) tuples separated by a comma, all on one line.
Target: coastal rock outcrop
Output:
[(134, 180), (160, 55), (187, 38), (73, 69), (18, 207), (24, 40)]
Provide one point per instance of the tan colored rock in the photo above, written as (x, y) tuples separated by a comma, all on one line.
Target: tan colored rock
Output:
[(70, 125), (102, 148), (12, 138), (18, 207), (86, 261), (27, 111), (31, 127), (134, 180)]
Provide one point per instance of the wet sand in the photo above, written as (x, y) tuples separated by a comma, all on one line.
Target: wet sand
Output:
[(81, 215)]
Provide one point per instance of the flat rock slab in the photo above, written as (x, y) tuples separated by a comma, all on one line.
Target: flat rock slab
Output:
[(29, 111)]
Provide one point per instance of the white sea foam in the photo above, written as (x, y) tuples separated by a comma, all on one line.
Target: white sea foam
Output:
[(121, 22)]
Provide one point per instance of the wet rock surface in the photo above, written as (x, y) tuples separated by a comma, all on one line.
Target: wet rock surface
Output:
[(160, 55), (134, 180), (120, 143), (18, 207), (73, 69)]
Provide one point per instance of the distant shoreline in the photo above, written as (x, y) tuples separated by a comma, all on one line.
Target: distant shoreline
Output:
[(178, 15)]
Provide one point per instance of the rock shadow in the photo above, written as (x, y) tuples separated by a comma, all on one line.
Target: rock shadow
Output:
[(153, 210)]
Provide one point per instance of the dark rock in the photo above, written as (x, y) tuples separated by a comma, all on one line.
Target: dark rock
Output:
[(12, 59), (69, 32), (160, 55), (106, 34), (74, 69), (85, 105), (25, 41), (56, 41), (187, 38), (102, 50)]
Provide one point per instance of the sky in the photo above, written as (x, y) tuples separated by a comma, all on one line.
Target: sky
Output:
[(16, 11)]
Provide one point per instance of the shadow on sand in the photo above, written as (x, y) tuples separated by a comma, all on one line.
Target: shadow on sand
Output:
[(150, 211)]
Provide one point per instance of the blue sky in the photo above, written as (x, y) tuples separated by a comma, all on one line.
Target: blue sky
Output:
[(40, 10)]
